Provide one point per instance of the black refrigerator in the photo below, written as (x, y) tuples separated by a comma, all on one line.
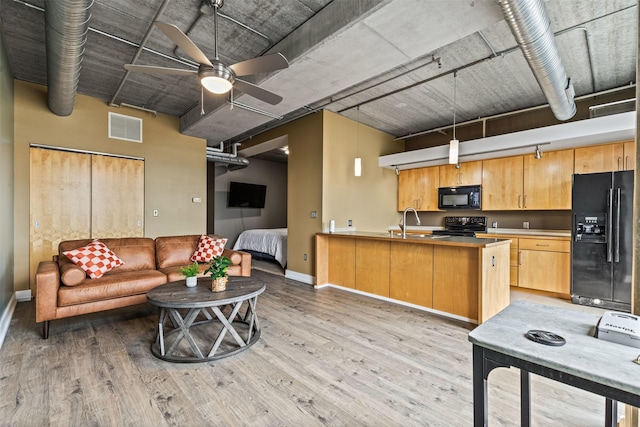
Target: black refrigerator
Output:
[(601, 239)]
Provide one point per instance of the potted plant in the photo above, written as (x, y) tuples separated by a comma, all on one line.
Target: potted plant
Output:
[(218, 269), (190, 272)]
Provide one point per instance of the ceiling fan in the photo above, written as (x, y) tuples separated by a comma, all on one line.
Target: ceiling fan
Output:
[(214, 75)]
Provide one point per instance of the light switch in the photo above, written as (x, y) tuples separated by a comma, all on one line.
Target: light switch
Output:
[(196, 200), (155, 212)]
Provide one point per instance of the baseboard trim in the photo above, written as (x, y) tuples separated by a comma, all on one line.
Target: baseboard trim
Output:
[(7, 314), (23, 296), (300, 277), (395, 301)]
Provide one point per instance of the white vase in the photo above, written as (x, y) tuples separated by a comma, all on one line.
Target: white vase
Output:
[(192, 281)]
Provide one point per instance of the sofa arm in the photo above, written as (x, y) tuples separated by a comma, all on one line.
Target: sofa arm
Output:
[(243, 259), (47, 284)]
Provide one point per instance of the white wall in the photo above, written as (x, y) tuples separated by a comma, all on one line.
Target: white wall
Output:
[(230, 222)]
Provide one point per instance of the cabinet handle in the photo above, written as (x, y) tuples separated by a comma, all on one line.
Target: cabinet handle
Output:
[(626, 163), (542, 244), (619, 163), (460, 178), (519, 197)]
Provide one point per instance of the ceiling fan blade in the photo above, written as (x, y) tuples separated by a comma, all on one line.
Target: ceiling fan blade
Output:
[(257, 92), (261, 64), (159, 70), (179, 38)]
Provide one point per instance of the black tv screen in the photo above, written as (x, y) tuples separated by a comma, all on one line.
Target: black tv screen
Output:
[(244, 195)]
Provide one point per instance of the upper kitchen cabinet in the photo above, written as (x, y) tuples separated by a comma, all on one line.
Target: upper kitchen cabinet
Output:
[(629, 155), (618, 156), (524, 182), (418, 188), (469, 173), (547, 180), (502, 181)]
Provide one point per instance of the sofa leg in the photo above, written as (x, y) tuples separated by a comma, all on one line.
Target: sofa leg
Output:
[(45, 330)]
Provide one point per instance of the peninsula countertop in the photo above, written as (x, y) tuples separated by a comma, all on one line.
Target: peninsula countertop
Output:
[(426, 239)]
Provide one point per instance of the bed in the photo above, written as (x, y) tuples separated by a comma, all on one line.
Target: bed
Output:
[(264, 243)]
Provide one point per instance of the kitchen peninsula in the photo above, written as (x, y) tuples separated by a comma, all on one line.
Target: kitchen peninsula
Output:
[(466, 278)]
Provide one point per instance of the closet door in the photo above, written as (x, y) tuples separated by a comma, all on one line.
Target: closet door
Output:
[(60, 202), (117, 197)]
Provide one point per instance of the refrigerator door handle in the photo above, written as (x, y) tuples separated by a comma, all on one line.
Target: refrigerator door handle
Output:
[(609, 225), (616, 257)]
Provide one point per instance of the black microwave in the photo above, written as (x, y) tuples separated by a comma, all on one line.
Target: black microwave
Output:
[(465, 197)]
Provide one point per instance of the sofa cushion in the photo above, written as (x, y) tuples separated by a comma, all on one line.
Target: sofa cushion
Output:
[(208, 247), (111, 286), (95, 259), (173, 251), (71, 274), (137, 253)]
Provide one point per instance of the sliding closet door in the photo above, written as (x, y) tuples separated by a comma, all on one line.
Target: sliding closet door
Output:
[(60, 201), (117, 197)]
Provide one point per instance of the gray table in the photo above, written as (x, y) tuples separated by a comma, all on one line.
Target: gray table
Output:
[(194, 322), (598, 366)]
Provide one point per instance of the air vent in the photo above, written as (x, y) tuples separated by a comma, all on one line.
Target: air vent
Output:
[(125, 127)]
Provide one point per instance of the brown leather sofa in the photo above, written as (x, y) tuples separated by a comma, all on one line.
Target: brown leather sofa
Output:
[(147, 263)]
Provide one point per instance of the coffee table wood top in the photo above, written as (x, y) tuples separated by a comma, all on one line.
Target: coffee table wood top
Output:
[(178, 295)]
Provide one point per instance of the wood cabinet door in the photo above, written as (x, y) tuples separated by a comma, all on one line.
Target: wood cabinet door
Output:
[(418, 188), (545, 271), (372, 267), (502, 183), (60, 202), (455, 280), (468, 173), (342, 261), (599, 158), (548, 180), (411, 273), (629, 155), (117, 197)]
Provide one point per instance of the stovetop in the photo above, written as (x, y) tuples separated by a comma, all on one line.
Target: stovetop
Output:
[(463, 225)]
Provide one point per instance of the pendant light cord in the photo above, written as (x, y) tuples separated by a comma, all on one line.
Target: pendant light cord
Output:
[(358, 131), (455, 74)]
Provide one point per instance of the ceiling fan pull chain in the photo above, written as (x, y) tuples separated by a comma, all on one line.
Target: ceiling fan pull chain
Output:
[(201, 100)]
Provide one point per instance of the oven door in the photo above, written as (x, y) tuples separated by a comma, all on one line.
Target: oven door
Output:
[(467, 197)]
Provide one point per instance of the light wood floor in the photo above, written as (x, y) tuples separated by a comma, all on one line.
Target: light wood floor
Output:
[(325, 357)]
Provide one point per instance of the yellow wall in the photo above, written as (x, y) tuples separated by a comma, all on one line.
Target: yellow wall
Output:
[(322, 147), (369, 200), (175, 164)]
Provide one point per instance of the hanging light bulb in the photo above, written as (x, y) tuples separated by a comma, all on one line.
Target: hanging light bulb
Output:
[(453, 144), (357, 164)]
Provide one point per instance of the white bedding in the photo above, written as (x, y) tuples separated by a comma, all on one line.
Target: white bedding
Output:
[(272, 241)]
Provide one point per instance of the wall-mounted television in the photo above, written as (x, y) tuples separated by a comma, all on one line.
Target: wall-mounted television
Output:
[(245, 195)]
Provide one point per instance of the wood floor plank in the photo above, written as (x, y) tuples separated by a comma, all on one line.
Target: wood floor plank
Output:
[(325, 358)]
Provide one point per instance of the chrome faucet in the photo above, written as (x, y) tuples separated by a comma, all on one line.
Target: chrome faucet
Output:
[(403, 224)]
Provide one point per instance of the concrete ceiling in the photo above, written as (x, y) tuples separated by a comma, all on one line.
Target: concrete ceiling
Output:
[(393, 58)]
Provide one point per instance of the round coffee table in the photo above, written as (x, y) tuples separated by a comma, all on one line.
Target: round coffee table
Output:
[(194, 322)]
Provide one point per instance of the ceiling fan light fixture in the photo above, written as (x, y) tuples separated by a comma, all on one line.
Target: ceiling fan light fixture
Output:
[(216, 84), (217, 79)]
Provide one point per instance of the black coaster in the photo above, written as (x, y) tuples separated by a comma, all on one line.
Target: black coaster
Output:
[(545, 337)]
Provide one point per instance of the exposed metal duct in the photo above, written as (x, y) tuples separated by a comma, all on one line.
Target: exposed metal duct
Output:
[(66, 27), (230, 159), (531, 28)]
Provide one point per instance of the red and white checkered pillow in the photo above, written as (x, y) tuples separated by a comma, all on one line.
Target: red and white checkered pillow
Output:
[(208, 247), (95, 259)]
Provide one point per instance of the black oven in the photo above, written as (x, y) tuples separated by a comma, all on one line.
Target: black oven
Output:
[(465, 197)]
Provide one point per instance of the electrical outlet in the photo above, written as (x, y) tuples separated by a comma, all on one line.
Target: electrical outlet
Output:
[(349, 223), (525, 224), (304, 257), (494, 224), (314, 214)]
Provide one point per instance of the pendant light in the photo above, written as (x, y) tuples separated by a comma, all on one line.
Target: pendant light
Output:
[(357, 165), (453, 144)]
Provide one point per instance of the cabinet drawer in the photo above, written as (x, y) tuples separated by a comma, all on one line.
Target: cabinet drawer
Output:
[(545, 245)]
